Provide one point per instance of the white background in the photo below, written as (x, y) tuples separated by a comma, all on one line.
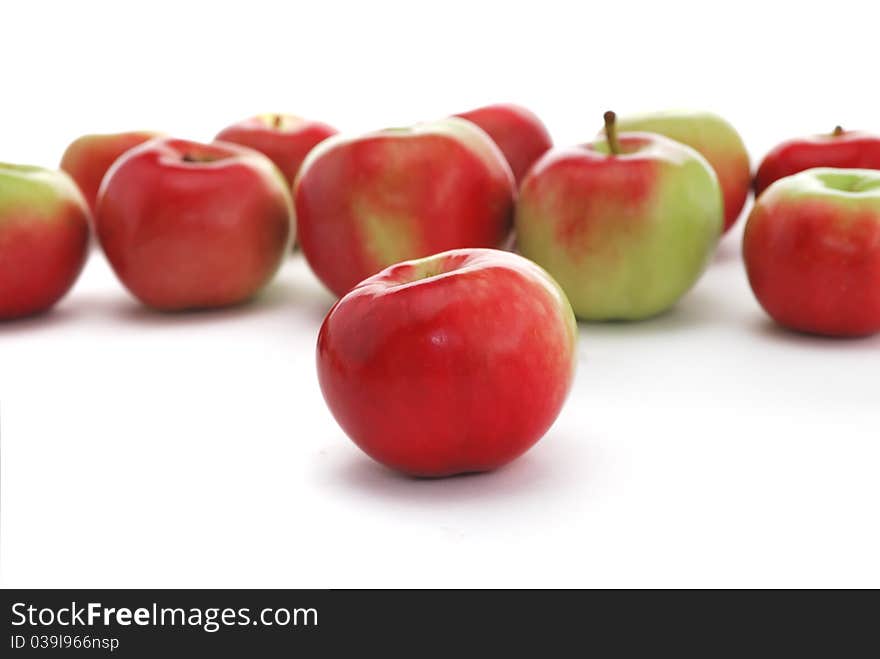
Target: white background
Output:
[(703, 448)]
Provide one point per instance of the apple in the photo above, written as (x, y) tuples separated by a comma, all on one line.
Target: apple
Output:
[(812, 251), (188, 225), (840, 148), (44, 238), (286, 139), (517, 131), (715, 139), (626, 225), (458, 362), (364, 203), (89, 157)]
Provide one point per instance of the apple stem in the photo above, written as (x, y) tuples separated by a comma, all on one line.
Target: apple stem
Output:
[(276, 120), (611, 132), (838, 131)]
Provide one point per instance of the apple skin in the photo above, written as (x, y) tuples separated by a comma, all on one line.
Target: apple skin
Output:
[(88, 158), (624, 235), (44, 238), (284, 138), (715, 139), (364, 203), (188, 225), (843, 149), (518, 132), (812, 251), (458, 362)]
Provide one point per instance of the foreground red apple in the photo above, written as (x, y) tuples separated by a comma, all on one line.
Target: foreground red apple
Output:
[(812, 251), (284, 138), (839, 148), (517, 131), (364, 203), (188, 225), (89, 157), (44, 236), (455, 363)]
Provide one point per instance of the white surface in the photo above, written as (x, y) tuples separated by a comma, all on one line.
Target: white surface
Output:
[(702, 448)]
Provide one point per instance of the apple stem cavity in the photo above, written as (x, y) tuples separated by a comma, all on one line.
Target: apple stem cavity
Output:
[(611, 132), (837, 132)]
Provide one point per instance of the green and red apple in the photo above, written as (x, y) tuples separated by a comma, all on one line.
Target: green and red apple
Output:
[(715, 139), (89, 157), (626, 224), (44, 237), (364, 203), (812, 251)]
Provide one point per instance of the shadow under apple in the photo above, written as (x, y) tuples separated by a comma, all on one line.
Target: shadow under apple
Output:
[(285, 292), (47, 319), (766, 328), (696, 310), (538, 473)]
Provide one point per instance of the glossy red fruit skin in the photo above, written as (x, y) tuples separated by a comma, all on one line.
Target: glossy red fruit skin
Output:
[(814, 268), (518, 132), (88, 159), (286, 148), (460, 372), (438, 191), (194, 234), (850, 150), (41, 260)]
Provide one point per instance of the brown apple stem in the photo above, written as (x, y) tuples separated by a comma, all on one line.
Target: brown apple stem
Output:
[(837, 132), (611, 132), (277, 120)]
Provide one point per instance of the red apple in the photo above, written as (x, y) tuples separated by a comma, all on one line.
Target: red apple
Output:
[(454, 363), (284, 138), (364, 203), (44, 237), (840, 148), (89, 157), (812, 251), (517, 131), (188, 225)]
